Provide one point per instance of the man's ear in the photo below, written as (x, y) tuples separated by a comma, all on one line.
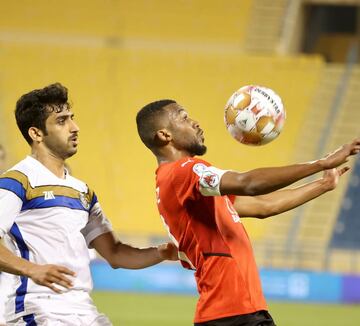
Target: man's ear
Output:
[(162, 137), (36, 134)]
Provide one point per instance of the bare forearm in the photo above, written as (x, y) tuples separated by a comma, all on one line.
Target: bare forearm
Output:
[(118, 254), (264, 180), (13, 264), (285, 200), (125, 256), (280, 201)]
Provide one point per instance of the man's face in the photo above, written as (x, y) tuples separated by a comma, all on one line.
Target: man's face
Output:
[(62, 134), (186, 132)]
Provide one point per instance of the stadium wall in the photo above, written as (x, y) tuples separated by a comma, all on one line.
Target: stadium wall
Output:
[(116, 58), (107, 87), (282, 285)]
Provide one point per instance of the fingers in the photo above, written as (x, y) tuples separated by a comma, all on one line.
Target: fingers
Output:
[(168, 251), (343, 170), (61, 280), (52, 287), (162, 246), (57, 275), (65, 270), (356, 146), (53, 276)]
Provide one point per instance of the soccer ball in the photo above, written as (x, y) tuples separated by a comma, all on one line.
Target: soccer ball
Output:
[(254, 115)]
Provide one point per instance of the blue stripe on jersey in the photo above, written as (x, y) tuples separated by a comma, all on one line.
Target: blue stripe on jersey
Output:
[(24, 251), (93, 201), (30, 320), (58, 201), (14, 186)]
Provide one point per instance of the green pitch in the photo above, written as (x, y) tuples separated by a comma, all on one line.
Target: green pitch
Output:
[(126, 309)]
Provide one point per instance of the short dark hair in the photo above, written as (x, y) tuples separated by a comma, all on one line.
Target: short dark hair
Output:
[(33, 108), (147, 121)]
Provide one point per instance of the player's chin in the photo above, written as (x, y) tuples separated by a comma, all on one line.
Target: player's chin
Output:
[(72, 151), (200, 149)]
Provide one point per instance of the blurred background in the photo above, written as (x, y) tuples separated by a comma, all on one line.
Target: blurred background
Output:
[(115, 56)]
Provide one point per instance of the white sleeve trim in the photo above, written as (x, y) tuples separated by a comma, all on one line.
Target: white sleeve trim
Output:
[(97, 225), (209, 179)]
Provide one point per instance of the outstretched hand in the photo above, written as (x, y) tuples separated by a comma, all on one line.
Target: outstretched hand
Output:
[(341, 155), (168, 251), (50, 276), (331, 177)]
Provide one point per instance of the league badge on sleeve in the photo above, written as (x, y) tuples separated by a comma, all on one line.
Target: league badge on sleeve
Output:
[(199, 168), (209, 179)]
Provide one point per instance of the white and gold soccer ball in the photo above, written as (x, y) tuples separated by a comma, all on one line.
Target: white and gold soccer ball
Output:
[(254, 115)]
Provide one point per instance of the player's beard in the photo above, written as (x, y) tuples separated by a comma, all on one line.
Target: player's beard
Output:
[(197, 149), (60, 149)]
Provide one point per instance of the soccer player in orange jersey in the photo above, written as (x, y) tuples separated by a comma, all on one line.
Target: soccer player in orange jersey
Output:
[(201, 204)]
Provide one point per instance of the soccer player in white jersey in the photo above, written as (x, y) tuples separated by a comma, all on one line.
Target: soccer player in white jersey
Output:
[(48, 220)]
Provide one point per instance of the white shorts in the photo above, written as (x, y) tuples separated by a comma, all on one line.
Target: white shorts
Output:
[(56, 319)]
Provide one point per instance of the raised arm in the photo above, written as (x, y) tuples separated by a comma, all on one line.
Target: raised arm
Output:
[(120, 255), (265, 180), (281, 201)]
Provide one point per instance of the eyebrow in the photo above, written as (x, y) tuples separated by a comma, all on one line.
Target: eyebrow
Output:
[(69, 115), (179, 111)]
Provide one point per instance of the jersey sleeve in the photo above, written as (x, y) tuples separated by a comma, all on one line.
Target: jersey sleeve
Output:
[(12, 196), (97, 224), (196, 178)]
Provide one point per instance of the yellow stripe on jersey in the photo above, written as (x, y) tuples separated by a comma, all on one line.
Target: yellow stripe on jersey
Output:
[(40, 191), (17, 175)]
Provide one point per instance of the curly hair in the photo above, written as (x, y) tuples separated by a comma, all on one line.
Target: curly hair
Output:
[(33, 108)]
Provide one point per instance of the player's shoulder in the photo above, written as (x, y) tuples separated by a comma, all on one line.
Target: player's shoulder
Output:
[(185, 168), (25, 170), (19, 172), (192, 166), (191, 163)]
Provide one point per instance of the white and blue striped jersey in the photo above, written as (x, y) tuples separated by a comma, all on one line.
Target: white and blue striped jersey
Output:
[(49, 220)]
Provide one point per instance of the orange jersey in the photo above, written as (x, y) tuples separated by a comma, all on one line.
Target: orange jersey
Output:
[(211, 239)]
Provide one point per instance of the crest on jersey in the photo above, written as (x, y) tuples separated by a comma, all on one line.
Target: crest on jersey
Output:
[(84, 200)]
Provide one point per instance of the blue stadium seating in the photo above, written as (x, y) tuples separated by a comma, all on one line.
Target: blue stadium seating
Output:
[(346, 233)]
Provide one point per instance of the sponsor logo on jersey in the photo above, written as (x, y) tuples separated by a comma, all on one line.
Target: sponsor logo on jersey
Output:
[(48, 195), (231, 209), (84, 201)]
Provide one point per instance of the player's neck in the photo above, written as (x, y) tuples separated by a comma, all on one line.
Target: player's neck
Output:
[(51, 162), (171, 155)]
